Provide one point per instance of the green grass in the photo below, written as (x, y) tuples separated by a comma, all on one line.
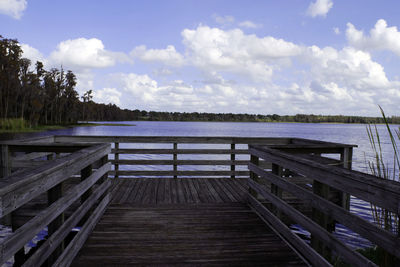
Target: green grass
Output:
[(13, 124), (19, 125)]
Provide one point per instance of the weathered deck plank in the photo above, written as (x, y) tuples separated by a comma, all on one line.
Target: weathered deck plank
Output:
[(169, 191), (156, 221), (184, 234)]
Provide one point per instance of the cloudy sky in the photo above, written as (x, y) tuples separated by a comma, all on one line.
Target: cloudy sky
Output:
[(264, 57)]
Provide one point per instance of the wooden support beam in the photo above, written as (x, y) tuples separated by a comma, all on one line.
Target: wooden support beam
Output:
[(233, 159), (5, 161), (286, 233), (85, 173), (276, 190), (175, 166), (39, 257), (322, 219), (346, 157), (116, 158), (5, 171), (53, 195), (73, 248), (366, 229), (253, 176), (350, 256)]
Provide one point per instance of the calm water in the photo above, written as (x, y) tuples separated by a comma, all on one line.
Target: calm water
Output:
[(341, 133)]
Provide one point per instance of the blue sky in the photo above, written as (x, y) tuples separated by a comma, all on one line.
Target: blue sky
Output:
[(264, 57)]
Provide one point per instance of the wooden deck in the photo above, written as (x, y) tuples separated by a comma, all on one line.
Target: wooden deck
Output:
[(179, 191), (184, 222)]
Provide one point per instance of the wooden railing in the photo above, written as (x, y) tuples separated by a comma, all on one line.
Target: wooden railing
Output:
[(218, 156), (269, 185), (67, 190)]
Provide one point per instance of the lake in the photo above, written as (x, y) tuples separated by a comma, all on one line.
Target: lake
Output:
[(341, 133)]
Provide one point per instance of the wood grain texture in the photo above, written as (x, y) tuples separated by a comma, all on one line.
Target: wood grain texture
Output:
[(300, 245), (331, 241), (18, 189), (384, 193), (377, 235), (178, 234), (175, 139), (185, 190)]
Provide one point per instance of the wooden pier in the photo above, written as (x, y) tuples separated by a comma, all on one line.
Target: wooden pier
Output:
[(185, 201)]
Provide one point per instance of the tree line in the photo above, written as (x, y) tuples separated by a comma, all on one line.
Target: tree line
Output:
[(43, 97), (231, 117)]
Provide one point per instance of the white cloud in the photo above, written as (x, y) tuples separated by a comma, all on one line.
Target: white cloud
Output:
[(213, 49), (143, 92), (13, 8), (381, 37), (107, 95), (322, 78), (347, 79), (230, 71), (336, 30), (249, 24), (33, 54), (319, 8), (84, 80), (168, 56), (223, 20), (85, 53), (141, 87), (349, 66)]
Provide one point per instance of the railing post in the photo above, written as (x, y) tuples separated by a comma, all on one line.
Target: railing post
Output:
[(85, 173), (233, 159), (103, 161), (321, 218), (5, 161), (346, 159), (255, 160), (116, 158), (52, 196), (277, 170), (175, 166)]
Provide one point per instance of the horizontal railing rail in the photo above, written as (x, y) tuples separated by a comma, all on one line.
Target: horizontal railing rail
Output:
[(268, 185), (76, 192), (225, 161)]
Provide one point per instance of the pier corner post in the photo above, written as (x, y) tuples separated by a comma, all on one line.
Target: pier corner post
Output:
[(278, 171), (346, 157), (233, 160), (5, 161), (53, 195), (116, 159), (255, 160), (175, 166)]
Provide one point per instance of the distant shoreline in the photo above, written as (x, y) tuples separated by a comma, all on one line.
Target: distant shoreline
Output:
[(43, 128)]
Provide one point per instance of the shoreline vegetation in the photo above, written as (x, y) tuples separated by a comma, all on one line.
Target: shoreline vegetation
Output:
[(21, 126), (379, 167)]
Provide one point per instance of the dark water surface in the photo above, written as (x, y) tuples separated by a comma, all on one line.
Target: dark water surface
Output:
[(340, 133)]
